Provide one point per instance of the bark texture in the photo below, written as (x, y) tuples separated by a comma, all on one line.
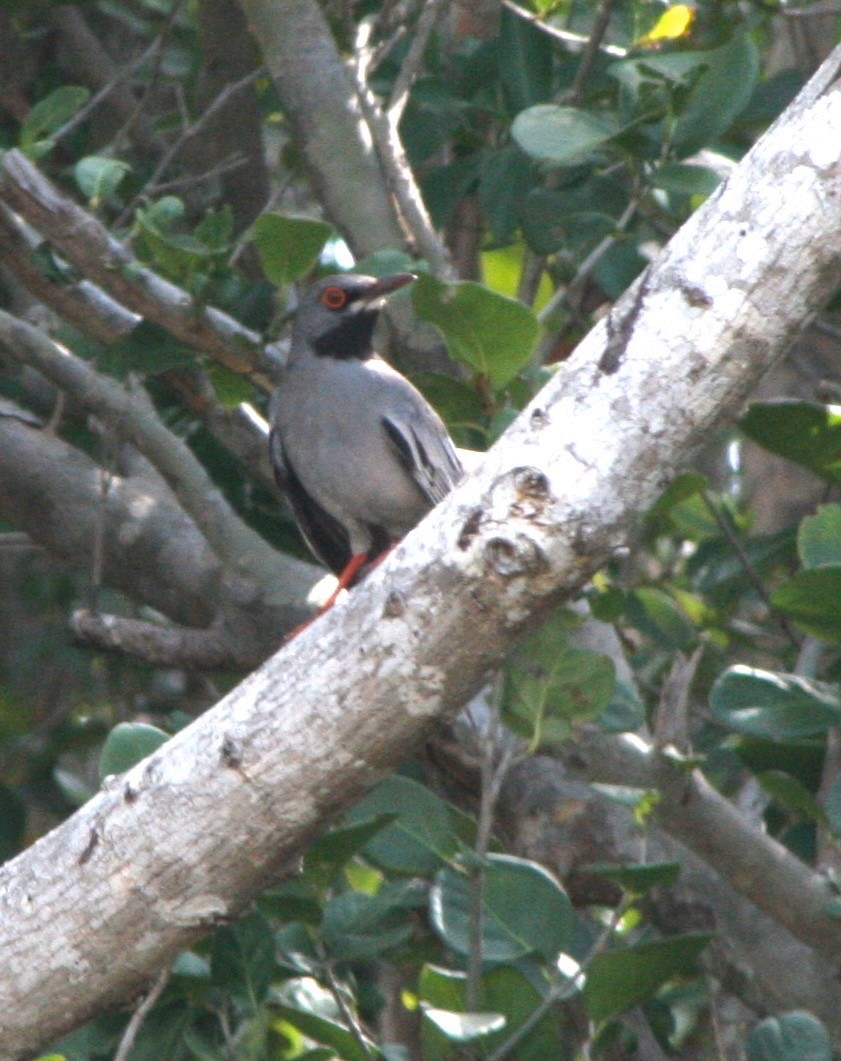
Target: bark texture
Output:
[(90, 912)]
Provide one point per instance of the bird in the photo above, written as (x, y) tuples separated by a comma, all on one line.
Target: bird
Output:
[(358, 453)]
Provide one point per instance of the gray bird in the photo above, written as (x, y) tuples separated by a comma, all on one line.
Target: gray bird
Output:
[(357, 451)]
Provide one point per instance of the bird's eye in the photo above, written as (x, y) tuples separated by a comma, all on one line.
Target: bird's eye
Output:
[(334, 297)]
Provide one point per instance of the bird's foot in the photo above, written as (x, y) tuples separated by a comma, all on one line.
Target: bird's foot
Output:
[(343, 582)]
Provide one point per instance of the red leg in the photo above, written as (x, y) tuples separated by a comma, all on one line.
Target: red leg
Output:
[(344, 581)]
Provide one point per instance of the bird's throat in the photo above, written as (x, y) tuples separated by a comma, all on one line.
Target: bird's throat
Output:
[(351, 339)]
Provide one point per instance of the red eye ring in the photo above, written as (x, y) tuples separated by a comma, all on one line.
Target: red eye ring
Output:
[(334, 297)]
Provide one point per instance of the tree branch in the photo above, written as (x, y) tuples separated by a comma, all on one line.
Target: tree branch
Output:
[(131, 411), (191, 834), (86, 243), (319, 98), (80, 303)]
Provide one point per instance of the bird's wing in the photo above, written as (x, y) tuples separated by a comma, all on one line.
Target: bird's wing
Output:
[(423, 447), (323, 533)]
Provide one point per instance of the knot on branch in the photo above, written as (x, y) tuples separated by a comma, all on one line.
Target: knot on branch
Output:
[(509, 557)]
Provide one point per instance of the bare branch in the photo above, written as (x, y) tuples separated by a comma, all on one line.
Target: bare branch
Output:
[(119, 76), (319, 98), (131, 411), (139, 1016), (166, 646), (80, 303), (153, 184), (574, 41), (94, 67), (87, 244), (588, 58), (384, 130), (153, 551), (431, 14), (241, 430)]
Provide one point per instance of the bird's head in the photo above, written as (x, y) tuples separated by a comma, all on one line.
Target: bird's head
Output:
[(336, 315)]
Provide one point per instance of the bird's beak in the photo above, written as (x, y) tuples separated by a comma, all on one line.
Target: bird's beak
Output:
[(384, 286)]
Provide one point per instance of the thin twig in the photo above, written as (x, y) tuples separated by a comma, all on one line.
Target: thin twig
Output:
[(494, 767), (99, 97), (139, 1016), (574, 41), (386, 137), (410, 68), (561, 991), (188, 134), (751, 572), (349, 1017), (227, 165), (98, 548), (158, 51), (585, 68)]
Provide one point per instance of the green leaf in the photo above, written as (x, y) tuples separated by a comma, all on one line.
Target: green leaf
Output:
[(564, 136), (456, 402), (445, 186), (639, 879), (505, 989), (232, 388), (491, 334), (422, 836), (464, 1027), (625, 712), (819, 538), (148, 350), (48, 116), (505, 176), (549, 685), (657, 614), (288, 246), (801, 431), (330, 1033), (242, 960), (721, 92), (182, 256), (811, 599), (791, 794), (619, 980), (681, 178), (524, 910), (98, 178), (127, 744), (832, 806), (334, 849), (795, 1036), (525, 62), (782, 707), (358, 927), (387, 262)]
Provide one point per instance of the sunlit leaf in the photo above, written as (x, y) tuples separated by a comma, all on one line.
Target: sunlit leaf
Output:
[(127, 744), (491, 334), (288, 246)]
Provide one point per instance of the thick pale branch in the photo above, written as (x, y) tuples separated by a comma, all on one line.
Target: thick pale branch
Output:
[(319, 98), (90, 912)]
